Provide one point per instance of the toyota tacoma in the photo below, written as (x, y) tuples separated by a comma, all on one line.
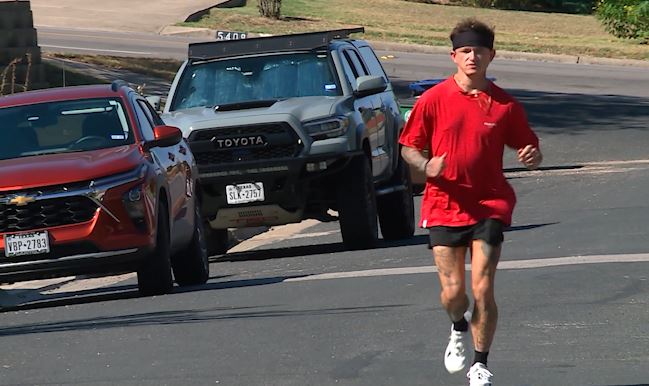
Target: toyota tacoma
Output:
[(290, 127)]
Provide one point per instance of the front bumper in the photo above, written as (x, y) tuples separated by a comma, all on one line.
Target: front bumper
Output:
[(110, 262), (288, 185)]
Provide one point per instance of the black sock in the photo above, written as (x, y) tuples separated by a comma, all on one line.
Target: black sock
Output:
[(481, 357), (461, 325)]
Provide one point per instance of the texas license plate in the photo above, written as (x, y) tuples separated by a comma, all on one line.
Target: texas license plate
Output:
[(241, 193), (27, 243)]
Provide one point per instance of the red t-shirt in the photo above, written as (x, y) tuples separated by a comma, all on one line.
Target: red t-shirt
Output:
[(472, 129)]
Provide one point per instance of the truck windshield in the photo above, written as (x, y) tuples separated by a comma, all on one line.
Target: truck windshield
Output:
[(63, 127), (228, 81)]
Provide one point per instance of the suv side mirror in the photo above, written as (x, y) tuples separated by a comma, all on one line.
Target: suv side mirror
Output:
[(370, 84), (164, 136)]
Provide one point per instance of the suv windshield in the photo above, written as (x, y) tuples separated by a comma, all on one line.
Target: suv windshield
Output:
[(63, 127), (269, 77)]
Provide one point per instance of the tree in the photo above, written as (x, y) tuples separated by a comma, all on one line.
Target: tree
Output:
[(269, 8), (625, 18)]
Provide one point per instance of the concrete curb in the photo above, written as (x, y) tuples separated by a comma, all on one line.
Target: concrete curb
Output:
[(421, 48)]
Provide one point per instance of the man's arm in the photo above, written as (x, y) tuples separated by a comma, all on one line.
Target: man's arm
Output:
[(431, 167), (530, 156)]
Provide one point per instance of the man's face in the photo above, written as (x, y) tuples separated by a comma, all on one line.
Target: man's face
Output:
[(473, 60)]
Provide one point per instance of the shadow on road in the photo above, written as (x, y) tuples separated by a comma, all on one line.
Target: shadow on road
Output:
[(515, 228), (186, 316), (309, 250), (101, 294), (76, 297), (322, 249), (566, 113)]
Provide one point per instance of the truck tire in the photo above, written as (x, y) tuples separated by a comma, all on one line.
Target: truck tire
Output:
[(357, 205), (191, 264), (154, 277), (216, 240), (397, 209)]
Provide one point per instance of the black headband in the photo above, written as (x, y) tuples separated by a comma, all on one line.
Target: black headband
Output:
[(473, 39)]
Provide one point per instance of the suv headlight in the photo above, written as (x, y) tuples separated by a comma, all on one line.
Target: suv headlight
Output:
[(327, 128)]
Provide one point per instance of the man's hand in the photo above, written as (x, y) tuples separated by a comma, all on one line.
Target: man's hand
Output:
[(530, 156), (435, 166)]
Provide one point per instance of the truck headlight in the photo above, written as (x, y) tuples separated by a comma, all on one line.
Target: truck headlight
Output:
[(327, 128)]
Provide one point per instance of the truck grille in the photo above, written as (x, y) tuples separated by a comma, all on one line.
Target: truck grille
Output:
[(281, 141), (46, 213)]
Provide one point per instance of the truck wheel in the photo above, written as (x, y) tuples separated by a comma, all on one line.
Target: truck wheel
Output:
[(216, 240), (397, 209), (191, 265), (154, 277), (357, 205)]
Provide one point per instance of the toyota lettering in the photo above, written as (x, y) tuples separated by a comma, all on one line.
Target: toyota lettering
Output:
[(237, 142)]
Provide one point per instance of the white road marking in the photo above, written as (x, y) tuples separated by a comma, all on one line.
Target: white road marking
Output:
[(96, 282), (503, 265), (98, 50), (273, 234)]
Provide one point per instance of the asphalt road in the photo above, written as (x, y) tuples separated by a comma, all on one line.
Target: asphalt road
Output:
[(291, 307)]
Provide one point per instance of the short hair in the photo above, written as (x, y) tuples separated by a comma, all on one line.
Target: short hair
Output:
[(476, 27)]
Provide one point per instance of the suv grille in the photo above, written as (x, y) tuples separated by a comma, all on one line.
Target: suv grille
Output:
[(46, 213), (281, 141)]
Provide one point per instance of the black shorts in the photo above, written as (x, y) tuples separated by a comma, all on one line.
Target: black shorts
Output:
[(489, 230)]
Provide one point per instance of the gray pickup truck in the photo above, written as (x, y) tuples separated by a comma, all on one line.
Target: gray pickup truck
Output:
[(291, 127)]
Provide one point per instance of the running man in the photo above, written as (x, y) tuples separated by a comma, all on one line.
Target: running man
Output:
[(466, 121)]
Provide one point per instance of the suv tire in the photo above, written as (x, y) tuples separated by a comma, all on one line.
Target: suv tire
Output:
[(397, 209), (357, 205), (191, 264), (154, 277)]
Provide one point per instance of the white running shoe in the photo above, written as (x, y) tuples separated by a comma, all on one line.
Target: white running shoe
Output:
[(455, 357), (479, 375)]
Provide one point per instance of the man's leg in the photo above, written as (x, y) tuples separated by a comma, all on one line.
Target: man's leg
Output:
[(484, 259), (451, 271), (450, 266)]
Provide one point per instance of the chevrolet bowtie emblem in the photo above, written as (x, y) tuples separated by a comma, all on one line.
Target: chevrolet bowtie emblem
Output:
[(21, 200)]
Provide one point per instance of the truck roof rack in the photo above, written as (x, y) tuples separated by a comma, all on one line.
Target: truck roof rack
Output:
[(295, 42)]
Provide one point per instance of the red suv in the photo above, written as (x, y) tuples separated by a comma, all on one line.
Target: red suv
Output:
[(93, 182)]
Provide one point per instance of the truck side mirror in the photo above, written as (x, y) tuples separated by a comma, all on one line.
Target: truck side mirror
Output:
[(370, 84), (154, 101)]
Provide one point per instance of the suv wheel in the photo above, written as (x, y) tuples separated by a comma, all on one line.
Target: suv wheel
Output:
[(357, 205), (397, 209), (191, 264), (154, 277)]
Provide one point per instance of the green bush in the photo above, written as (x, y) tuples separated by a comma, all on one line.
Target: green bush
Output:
[(565, 6), (625, 18)]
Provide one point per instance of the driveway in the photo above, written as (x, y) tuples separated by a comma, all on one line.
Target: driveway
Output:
[(116, 15)]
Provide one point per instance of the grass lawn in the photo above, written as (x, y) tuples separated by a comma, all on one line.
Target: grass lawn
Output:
[(420, 23), (159, 68)]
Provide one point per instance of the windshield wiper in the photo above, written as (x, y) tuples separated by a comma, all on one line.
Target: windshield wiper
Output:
[(246, 105), (46, 152)]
